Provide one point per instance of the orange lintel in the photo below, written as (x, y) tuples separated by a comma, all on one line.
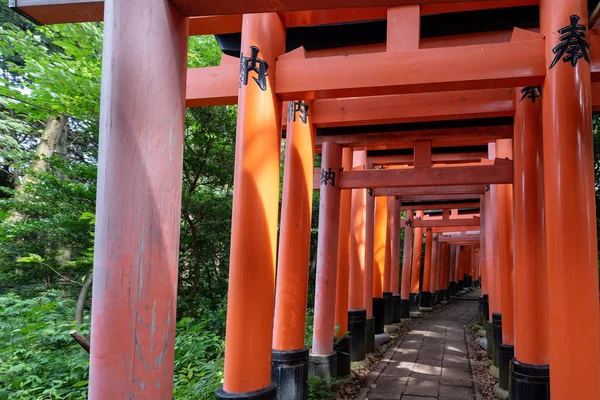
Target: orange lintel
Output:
[(487, 66), (440, 206), (446, 223), (445, 137), (441, 197), (499, 173), (429, 190), (407, 159), (445, 229), (462, 240)]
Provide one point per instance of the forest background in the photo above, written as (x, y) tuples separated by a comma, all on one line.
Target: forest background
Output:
[(49, 113)]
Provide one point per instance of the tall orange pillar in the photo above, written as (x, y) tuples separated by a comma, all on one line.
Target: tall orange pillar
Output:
[(341, 288), (387, 274), (444, 273), (435, 270), (415, 276), (323, 360), (357, 314), (255, 207), (382, 300), (395, 262), (530, 370), (341, 296), (426, 293), (368, 272), (138, 201), (291, 290), (505, 257), (571, 246), (406, 264)]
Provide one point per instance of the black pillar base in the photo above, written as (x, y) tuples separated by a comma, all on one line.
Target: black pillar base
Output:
[(357, 320), (342, 348), (388, 310), (497, 333), (405, 310), (378, 314), (529, 382), (426, 300), (437, 297), (323, 365), (486, 309), (268, 393), (507, 353), (415, 301), (445, 295), (289, 371), (370, 334), (489, 335), (469, 281), (452, 288), (461, 285)]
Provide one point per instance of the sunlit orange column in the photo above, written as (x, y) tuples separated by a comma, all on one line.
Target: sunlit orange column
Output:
[(138, 201), (530, 370), (391, 239), (291, 289), (444, 273), (368, 272), (406, 264), (357, 314), (379, 245), (341, 297), (323, 360), (415, 275), (505, 257), (571, 247), (426, 293), (254, 220), (395, 267), (387, 273)]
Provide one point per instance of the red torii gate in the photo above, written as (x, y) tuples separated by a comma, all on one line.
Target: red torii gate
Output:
[(146, 88)]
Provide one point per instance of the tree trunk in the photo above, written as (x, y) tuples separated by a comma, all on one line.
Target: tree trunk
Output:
[(54, 138), (81, 300)]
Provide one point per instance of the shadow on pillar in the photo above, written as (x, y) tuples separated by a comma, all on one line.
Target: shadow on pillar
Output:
[(497, 335), (370, 334), (529, 381), (268, 393), (507, 353), (342, 348), (357, 321), (388, 314), (289, 371), (379, 314)]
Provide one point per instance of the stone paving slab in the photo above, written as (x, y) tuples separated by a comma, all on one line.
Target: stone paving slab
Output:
[(432, 361)]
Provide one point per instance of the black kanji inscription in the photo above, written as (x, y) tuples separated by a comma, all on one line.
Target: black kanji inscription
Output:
[(253, 63), (327, 177), (370, 191), (531, 92), (408, 222), (294, 108), (573, 45)]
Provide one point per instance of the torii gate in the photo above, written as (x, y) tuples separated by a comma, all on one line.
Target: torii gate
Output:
[(146, 88)]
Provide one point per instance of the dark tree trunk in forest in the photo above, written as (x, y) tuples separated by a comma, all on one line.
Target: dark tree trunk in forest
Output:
[(81, 300)]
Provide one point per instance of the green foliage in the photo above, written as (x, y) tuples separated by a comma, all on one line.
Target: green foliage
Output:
[(323, 388)]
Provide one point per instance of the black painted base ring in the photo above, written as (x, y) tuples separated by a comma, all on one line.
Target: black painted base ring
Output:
[(405, 309), (529, 382), (289, 371), (268, 393), (507, 353)]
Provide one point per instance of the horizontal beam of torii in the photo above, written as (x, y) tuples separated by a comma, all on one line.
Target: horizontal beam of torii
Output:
[(408, 159), (440, 206), (63, 11), (499, 173), (461, 240), (450, 229)]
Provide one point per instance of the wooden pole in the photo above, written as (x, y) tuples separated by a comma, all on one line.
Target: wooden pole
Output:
[(406, 264), (138, 201), (380, 244), (571, 237), (415, 277), (357, 238)]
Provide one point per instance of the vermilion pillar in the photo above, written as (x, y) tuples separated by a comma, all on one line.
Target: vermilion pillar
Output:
[(341, 297), (382, 306), (254, 220), (293, 256), (406, 264), (357, 314), (368, 272), (415, 278), (395, 261), (571, 247), (531, 316), (387, 287), (444, 272), (426, 294), (435, 269), (138, 201), (323, 358), (505, 254)]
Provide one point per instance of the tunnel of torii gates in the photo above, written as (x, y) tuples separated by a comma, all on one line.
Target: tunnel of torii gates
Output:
[(472, 120)]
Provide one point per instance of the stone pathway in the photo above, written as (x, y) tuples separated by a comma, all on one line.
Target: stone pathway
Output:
[(432, 361)]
